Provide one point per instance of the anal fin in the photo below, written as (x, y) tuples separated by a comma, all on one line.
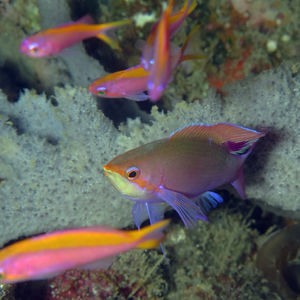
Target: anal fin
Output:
[(238, 184)]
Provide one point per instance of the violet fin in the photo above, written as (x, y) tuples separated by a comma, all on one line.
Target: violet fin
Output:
[(155, 211), (238, 184), (138, 97), (187, 209), (139, 213), (102, 264), (239, 148), (210, 200), (156, 214)]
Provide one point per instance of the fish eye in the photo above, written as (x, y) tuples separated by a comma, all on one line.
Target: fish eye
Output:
[(35, 50), (101, 90), (132, 173)]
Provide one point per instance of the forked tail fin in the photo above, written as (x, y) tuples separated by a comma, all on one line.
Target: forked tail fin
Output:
[(103, 28), (150, 236)]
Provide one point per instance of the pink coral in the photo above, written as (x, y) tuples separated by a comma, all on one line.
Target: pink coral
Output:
[(91, 285)]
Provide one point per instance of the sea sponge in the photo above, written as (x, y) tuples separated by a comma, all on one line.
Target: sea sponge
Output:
[(51, 161)]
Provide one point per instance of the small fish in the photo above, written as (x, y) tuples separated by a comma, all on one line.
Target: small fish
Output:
[(52, 41), (50, 254), (175, 22), (132, 82), (181, 170), (160, 70)]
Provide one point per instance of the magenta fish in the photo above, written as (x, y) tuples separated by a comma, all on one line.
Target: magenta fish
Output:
[(182, 170), (52, 41)]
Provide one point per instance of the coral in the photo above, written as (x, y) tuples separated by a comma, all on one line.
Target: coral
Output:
[(134, 275), (51, 161), (259, 12), (215, 261), (233, 71), (225, 34), (6, 292)]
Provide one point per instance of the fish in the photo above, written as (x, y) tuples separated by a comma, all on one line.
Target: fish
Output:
[(182, 171), (175, 22), (54, 40), (160, 70), (132, 82), (50, 254)]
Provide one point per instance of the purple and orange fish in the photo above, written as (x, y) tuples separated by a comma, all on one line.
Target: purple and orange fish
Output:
[(50, 254), (157, 56), (52, 41), (182, 170), (160, 64), (175, 21)]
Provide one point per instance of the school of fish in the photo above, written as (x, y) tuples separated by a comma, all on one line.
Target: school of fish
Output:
[(181, 170)]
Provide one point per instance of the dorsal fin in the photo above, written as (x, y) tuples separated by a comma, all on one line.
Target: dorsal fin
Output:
[(235, 138)]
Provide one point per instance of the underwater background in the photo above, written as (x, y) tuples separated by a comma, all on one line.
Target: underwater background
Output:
[(55, 137)]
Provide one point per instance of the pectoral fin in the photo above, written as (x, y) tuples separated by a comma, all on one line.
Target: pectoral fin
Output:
[(187, 209), (190, 210)]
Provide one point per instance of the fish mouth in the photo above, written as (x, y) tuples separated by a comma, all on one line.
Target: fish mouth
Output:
[(125, 187)]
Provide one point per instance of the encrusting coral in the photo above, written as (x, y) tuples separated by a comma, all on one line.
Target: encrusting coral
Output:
[(51, 161)]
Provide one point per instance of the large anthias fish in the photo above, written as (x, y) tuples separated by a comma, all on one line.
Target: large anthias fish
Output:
[(52, 41), (50, 254), (182, 170)]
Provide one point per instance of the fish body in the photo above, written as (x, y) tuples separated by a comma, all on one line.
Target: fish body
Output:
[(175, 21), (160, 70), (181, 168), (52, 41), (129, 83), (50, 254)]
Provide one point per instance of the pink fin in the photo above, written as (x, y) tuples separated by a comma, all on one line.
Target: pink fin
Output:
[(87, 19), (137, 97), (102, 264), (238, 184), (220, 133)]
